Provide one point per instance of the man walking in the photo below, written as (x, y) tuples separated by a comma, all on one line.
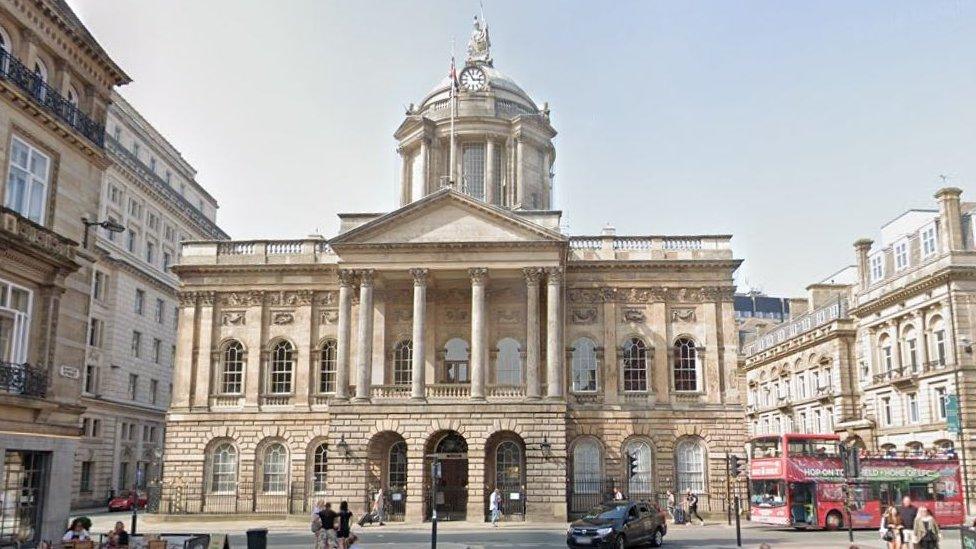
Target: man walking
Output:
[(692, 501), (495, 506), (907, 513), (672, 504), (327, 535), (378, 505)]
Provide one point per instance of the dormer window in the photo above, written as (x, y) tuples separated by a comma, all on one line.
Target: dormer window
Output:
[(877, 267), (901, 255), (928, 241)]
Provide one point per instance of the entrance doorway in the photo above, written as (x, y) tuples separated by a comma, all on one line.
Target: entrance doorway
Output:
[(24, 487), (451, 453)]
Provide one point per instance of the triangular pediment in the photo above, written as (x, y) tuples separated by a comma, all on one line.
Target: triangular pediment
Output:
[(445, 217)]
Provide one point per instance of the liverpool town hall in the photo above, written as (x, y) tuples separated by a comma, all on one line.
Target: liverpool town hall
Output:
[(464, 325)]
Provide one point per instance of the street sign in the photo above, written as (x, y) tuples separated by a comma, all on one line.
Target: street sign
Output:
[(952, 414)]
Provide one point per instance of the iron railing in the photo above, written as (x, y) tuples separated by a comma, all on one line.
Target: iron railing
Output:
[(31, 83), (23, 379)]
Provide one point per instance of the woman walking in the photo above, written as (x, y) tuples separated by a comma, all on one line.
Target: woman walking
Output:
[(891, 528), (345, 517), (926, 531)]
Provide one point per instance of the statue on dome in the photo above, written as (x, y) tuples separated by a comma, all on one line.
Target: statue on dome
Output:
[(479, 44)]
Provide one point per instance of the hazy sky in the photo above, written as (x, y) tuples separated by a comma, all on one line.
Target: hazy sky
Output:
[(795, 126)]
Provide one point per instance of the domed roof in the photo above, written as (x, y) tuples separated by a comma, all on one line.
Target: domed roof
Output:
[(497, 81)]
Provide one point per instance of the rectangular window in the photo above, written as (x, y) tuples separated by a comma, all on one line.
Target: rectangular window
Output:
[(91, 379), (497, 175), (140, 303), (912, 352), (940, 347), (167, 260), (15, 312), (114, 194), (27, 181), (111, 235), (152, 164), (169, 178), (157, 350), (95, 333), (133, 241), (901, 255), (86, 476), (150, 251), (886, 358), (123, 475), (912, 404), (135, 209), (929, 242), (802, 422), (473, 170), (98, 286), (886, 411), (136, 344), (133, 386), (801, 386), (153, 221), (160, 308), (877, 267), (153, 390), (169, 233), (940, 403)]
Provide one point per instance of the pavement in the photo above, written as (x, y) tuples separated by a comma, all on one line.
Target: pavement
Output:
[(294, 533)]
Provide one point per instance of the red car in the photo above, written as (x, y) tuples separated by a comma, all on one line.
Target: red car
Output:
[(124, 501)]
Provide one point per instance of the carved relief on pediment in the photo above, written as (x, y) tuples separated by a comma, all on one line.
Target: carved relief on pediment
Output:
[(634, 314), (291, 298), (250, 298), (683, 314), (232, 318), (281, 318), (583, 315), (327, 299)]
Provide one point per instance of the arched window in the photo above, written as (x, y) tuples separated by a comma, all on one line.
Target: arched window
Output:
[(887, 356), (327, 367), (584, 365), (281, 368), (690, 466), (232, 369), (508, 365), (635, 365), (223, 469), (508, 466), (402, 362), (320, 467), (275, 479), (5, 43), (686, 366), (587, 467), (456, 357), (72, 96), (397, 476), (640, 479), (40, 80), (914, 449)]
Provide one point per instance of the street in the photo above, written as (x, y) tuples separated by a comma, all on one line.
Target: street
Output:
[(293, 533)]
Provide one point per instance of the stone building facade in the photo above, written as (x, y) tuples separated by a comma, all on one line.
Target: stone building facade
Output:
[(55, 88), (126, 386), (463, 327)]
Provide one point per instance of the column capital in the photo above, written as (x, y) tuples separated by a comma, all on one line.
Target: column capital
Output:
[(366, 277), (479, 275), (555, 274), (533, 275), (347, 277), (419, 276)]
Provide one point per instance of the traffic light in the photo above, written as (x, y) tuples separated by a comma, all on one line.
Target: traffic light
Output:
[(851, 460), (631, 464), (736, 465)]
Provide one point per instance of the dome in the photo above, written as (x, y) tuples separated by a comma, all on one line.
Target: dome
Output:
[(497, 82)]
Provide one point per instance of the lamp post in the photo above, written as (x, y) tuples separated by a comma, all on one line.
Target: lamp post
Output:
[(107, 224)]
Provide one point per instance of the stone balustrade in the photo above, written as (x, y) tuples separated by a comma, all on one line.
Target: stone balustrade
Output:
[(448, 390), (390, 391), (226, 401)]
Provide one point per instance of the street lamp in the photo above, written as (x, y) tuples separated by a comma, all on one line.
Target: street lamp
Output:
[(546, 446), (107, 224), (343, 446)]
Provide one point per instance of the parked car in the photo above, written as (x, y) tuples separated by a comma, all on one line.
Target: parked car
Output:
[(124, 501), (619, 524)]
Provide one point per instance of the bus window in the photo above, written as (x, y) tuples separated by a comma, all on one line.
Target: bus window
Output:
[(814, 448), (768, 493), (919, 491), (765, 448)]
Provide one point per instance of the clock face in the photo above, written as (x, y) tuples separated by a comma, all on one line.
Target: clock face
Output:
[(473, 79)]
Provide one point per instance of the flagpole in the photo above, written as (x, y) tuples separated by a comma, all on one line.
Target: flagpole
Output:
[(453, 112)]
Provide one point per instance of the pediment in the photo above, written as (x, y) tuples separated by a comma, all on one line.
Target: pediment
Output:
[(447, 217)]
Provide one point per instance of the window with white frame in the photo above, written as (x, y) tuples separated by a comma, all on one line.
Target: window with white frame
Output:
[(275, 478), (940, 402), (320, 468), (877, 267), (279, 379), (232, 369), (886, 412), (508, 363), (95, 332), (28, 178), (133, 386), (160, 310), (887, 359), (929, 242), (327, 367), (690, 465), (939, 340), (140, 301), (150, 251), (635, 365), (136, 343), (584, 365), (91, 379), (911, 402), (901, 255), (402, 362), (686, 375), (223, 469), (803, 422), (15, 314), (133, 240), (801, 386), (818, 422)]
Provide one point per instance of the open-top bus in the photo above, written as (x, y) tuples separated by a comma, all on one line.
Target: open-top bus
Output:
[(798, 480)]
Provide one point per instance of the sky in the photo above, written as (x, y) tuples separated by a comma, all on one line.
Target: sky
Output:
[(797, 127)]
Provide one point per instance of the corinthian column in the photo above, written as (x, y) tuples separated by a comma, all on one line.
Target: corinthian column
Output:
[(554, 339), (364, 339), (418, 386), (346, 280), (532, 277), (479, 277)]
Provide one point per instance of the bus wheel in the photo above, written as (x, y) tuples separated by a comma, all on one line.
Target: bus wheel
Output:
[(834, 521)]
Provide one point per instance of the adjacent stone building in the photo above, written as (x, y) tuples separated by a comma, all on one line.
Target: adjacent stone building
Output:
[(55, 88), (152, 192), (463, 327)]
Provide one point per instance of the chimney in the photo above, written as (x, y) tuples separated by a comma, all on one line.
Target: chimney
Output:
[(950, 218), (862, 247), (799, 306)]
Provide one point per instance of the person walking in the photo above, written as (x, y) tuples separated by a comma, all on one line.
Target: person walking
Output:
[(926, 533), (345, 517), (891, 528), (672, 504), (495, 506), (908, 512), (327, 533), (691, 500), (378, 505)]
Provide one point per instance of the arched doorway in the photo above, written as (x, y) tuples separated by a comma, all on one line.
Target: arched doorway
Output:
[(505, 470), (450, 450), (386, 469)]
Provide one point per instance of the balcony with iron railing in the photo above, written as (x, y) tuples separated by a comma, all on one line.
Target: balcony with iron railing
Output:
[(23, 379), (907, 375), (40, 93)]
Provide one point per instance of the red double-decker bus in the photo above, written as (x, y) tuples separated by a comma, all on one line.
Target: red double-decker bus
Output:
[(798, 480)]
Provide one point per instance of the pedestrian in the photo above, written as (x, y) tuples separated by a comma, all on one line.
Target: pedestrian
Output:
[(118, 537), (327, 534), (908, 512), (618, 495), (378, 503), (345, 517), (672, 504), (495, 506), (76, 532), (926, 531), (692, 501), (891, 528)]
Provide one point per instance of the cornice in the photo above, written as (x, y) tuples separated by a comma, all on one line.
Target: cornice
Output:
[(304, 268), (94, 154), (895, 297), (458, 245), (821, 334), (158, 283), (679, 264), (656, 294)]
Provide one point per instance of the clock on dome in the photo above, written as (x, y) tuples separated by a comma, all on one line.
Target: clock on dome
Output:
[(473, 79)]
